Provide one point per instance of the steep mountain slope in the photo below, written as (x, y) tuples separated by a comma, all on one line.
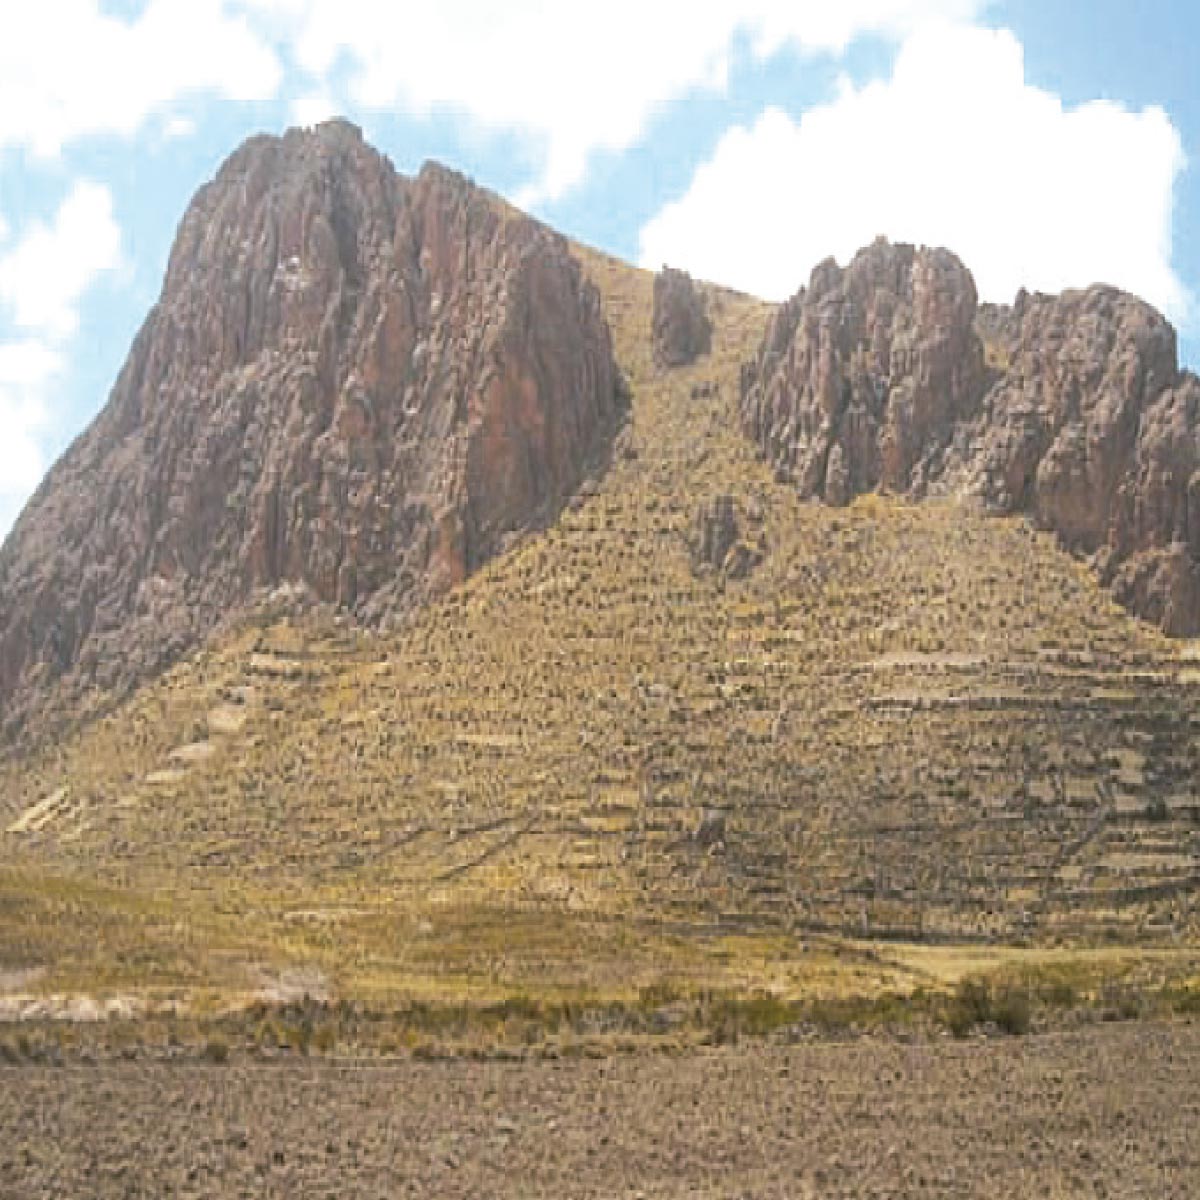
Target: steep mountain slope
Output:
[(604, 759), (354, 383), (1070, 408)]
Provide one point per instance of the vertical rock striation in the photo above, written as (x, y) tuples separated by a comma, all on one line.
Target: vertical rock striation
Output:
[(1072, 409), (355, 381)]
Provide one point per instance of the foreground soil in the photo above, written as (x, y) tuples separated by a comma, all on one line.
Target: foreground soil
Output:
[(1109, 1111)]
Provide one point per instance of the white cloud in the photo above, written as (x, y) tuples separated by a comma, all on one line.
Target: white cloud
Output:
[(314, 108), (27, 364), (42, 280), (573, 78), (26, 370), (955, 149), (43, 276), (178, 126), (69, 70)]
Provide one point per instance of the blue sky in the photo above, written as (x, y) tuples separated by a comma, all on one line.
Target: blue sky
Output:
[(1049, 144)]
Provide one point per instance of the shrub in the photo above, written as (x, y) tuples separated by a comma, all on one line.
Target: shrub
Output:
[(270, 1035), (975, 1003), (658, 994), (299, 1037), (216, 1050), (1184, 999), (1011, 1012), (1060, 994), (756, 1015), (516, 1006), (969, 1006)]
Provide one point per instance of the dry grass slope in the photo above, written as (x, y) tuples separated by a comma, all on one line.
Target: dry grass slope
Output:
[(592, 769)]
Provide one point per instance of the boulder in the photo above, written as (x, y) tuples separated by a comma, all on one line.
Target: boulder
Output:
[(718, 543), (681, 329)]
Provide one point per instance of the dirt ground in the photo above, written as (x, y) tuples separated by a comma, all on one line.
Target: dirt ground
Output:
[(1111, 1111)]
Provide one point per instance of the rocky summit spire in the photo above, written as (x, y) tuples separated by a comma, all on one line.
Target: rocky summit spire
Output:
[(353, 381)]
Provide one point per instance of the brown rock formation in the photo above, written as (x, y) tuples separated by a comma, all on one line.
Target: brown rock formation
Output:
[(715, 532), (680, 325), (1069, 408), (352, 380), (718, 542), (863, 376)]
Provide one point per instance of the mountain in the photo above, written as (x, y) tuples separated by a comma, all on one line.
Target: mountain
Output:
[(356, 388), (356, 384), (1072, 409), (702, 727)]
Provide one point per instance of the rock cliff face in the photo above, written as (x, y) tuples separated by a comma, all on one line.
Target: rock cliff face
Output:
[(863, 376), (355, 381), (680, 326), (1069, 408)]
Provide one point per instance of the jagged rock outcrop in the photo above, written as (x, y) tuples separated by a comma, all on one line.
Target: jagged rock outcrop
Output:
[(715, 533), (718, 542), (680, 326), (353, 380), (1153, 564), (1069, 408), (863, 376)]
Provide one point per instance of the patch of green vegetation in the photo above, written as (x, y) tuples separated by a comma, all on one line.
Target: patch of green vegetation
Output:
[(216, 1050), (1182, 998)]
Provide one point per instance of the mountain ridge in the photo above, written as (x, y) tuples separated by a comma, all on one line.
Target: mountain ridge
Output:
[(353, 382), (1071, 409), (348, 436)]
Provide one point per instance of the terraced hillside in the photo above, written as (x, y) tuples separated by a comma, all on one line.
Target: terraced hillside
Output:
[(601, 760)]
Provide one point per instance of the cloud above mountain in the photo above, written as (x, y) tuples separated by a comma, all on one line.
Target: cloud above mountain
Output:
[(72, 69), (955, 148), (572, 79), (43, 278)]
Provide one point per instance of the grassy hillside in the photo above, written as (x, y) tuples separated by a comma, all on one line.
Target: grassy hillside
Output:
[(593, 770)]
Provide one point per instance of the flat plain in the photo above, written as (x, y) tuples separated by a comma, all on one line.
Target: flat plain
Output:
[(1110, 1111)]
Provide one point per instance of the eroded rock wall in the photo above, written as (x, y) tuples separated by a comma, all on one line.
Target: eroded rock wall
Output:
[(355, 381), (1072, 409)]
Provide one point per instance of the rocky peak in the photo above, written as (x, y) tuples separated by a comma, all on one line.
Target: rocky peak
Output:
[(1069, 408), (863, 375), (1077, 374), (353, 380)]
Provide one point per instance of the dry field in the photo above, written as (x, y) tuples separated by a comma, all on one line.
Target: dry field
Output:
[(1107, 1112)]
